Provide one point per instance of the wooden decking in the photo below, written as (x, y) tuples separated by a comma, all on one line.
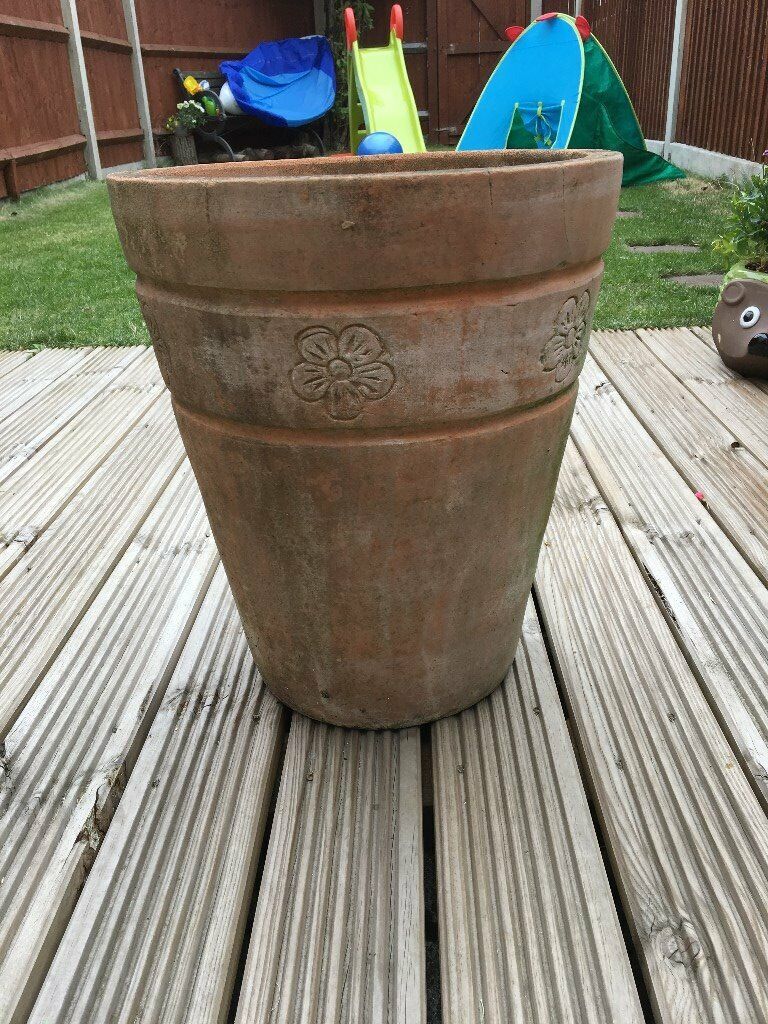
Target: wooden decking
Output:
[(588, 845)]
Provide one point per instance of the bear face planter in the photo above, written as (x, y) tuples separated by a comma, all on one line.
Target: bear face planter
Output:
[(373, 366), (740, 324)]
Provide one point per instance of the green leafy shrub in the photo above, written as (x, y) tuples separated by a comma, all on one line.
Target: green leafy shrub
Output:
[(745, 239)]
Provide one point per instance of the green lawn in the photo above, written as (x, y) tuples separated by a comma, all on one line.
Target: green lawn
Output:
[(64, 280), (635, 291)]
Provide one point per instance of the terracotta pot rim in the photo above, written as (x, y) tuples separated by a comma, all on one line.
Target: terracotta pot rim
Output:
[(349, 168)]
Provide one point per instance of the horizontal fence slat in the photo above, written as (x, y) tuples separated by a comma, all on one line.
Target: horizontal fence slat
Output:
[(94, 40), (40, 150), (23, 28)]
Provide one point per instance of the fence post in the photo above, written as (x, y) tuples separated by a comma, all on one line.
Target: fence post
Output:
[(577, 5), (536, 6), (320, 17), (80, 83), (139, 82), (675, 74)]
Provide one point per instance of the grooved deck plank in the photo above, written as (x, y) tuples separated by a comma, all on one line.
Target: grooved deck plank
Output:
[(68, 755), (47, 592), (691, 565), (34, 376), (338, 936), (28, 430), (708, 456), (10, 360), (157, 931), (528, 928), (740, 406), (687, 835), (41, 488)]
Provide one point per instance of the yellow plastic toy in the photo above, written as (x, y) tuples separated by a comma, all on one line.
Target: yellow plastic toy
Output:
[(380, 94)]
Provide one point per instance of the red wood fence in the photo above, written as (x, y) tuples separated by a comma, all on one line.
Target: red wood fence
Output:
[(451, 46), (41, 135), (724, 87)]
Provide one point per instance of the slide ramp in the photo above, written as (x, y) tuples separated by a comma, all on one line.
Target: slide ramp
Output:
[(380, 94)]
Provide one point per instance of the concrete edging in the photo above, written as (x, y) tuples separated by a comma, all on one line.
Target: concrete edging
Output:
[(706, 162)]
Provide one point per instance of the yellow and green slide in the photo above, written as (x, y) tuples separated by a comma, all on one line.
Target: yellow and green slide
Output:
[(380, 94)]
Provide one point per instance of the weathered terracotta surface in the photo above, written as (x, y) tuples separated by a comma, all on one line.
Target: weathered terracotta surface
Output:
[(740, 327), (373, 365)]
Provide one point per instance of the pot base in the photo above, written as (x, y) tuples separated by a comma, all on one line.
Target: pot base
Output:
[(349, 620)]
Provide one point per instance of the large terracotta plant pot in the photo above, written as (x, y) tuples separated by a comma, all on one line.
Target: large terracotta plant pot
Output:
[(373, 365)]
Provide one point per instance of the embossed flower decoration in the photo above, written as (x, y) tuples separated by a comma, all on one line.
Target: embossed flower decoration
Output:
[(566, 346), (344, 372)]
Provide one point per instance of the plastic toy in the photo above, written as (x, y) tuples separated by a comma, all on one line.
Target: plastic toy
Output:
[(556, 88), (288, 83), (380, 94), (192, 85), (377, 143)]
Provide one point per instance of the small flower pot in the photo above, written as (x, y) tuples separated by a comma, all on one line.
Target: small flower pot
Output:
[(373, 365), (740, 323), (183, 149)]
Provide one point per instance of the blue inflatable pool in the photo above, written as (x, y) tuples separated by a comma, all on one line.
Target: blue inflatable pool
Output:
[(289, 83)]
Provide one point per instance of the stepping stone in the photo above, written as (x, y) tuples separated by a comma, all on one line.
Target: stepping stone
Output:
[(697, 280), (624, 214), (663, 248)]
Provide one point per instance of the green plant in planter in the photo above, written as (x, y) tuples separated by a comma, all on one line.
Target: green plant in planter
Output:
[(740, 323), (189, 115), (745, 240)]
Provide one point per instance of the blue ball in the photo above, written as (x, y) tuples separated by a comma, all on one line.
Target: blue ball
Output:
[(377, 143)]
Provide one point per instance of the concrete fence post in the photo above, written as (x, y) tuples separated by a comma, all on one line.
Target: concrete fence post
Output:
[(675, 75), (536, 6), (139, 82), (80, 83)]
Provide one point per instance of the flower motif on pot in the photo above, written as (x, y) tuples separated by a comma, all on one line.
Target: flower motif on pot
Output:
[(343, 371), (565, 348)]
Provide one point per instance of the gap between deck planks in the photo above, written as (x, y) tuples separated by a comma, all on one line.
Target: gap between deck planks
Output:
[(157, 931), (710, 457), (30, 428), (687, 836), (33, 377), (67, 757), (41, 486), (689, 563), (338, 935), (741, 405), (64, 570), (10, 360), (528, 928)]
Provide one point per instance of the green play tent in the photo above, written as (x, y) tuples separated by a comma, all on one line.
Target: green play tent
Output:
[(557, 88)]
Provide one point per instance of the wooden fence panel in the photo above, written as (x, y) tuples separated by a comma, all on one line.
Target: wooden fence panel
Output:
[(40, 134), (38, 106), (110, 79), (198, 36), (638, 38), (470, 41), (559, 7), (724, 86)]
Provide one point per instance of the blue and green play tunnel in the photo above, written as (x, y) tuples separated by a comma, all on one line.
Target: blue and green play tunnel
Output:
[(557, 88)]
